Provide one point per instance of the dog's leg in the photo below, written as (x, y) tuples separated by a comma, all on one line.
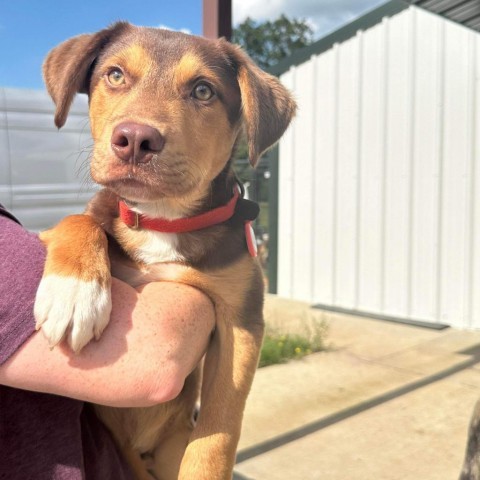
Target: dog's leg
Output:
[(74, 297), (471, 465), (137, 465), (228, 374), (168, 456)]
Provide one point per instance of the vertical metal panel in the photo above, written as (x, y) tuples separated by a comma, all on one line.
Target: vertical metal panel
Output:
[(471, 181), (426, 172), (391, 154), (372, 146), (5, 173), (475, 145), (303, 191), (285, 202), (455, 169), (397, 166), (347, 173), (325, 176)]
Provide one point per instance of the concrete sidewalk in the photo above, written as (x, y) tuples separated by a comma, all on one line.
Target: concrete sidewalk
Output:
[(385, 402)]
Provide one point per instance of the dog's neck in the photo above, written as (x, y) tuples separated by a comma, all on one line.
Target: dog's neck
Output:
[(218, 193), (163, 208), (180, 225), (152, 247)]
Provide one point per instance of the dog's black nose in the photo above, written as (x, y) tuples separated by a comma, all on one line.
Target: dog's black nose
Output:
[(136, 143)]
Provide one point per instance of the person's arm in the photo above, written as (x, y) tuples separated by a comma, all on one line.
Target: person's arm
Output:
[(155, 338)]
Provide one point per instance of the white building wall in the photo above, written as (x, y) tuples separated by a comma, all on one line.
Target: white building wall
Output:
[(379, 193)]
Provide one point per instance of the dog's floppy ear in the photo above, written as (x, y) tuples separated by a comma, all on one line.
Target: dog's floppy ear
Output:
[(67, 67), (267, 106)]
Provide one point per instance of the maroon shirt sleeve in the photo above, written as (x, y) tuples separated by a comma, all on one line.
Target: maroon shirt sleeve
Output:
[(42, 436), (21, 265)]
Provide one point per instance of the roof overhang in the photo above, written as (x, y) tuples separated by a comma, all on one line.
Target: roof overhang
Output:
[(465, 12)]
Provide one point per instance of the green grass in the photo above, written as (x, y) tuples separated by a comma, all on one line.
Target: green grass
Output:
[(280, 348)]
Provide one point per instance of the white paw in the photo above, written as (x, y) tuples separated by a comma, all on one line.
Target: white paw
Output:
[(73, 307)]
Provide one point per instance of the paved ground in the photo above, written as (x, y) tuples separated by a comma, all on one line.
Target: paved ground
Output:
[(385, 402)]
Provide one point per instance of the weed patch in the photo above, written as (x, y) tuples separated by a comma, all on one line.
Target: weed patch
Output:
[(281, 347)]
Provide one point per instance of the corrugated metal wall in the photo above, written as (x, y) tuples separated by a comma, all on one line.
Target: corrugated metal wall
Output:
[(379, 190)]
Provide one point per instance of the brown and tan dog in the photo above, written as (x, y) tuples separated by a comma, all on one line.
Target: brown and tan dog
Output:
[(471, 462), (166, 111)]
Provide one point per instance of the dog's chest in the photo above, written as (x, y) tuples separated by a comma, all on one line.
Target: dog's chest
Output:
[(157, 257), (157, 247)]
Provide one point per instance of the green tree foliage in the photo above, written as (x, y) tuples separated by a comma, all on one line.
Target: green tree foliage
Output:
[(269, 42)]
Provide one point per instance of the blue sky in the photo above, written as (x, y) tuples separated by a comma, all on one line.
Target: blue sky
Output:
[(30, 28)]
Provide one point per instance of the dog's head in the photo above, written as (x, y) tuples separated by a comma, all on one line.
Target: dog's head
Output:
[(166, 108)]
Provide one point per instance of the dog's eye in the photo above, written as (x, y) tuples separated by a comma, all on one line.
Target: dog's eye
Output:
[(116, 77), (202, 92)]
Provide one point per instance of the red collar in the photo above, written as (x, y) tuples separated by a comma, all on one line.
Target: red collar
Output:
[(180, 225)]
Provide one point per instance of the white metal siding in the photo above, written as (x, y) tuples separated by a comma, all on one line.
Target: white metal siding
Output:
[(379, 186)]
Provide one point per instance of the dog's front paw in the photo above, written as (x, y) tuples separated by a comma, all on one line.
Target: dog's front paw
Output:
[(73, 307)]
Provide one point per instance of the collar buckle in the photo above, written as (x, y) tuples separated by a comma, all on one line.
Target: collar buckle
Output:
[(136, 224), (137, 221)]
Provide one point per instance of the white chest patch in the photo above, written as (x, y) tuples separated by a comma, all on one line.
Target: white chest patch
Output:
[(158, 247)]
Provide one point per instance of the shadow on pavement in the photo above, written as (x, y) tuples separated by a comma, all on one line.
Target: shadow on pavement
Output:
[(292, 435)]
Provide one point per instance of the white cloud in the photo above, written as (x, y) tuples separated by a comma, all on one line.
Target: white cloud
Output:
[(323, 15), (183, 30)]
